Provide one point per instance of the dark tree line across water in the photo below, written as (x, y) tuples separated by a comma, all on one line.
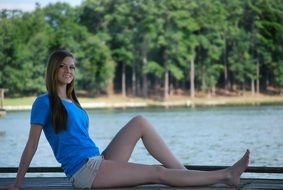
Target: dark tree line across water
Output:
[(147, 47)]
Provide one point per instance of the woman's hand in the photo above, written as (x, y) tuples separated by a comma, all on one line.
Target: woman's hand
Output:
[(13, 187)]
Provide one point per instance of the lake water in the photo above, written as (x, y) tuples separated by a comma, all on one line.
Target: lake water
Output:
[(197, 136)]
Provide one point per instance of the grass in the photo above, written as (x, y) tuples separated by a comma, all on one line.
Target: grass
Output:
[(18, 101), (112, 99), (218, 100)]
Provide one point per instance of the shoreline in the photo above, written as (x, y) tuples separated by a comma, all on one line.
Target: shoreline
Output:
[(114, 102)]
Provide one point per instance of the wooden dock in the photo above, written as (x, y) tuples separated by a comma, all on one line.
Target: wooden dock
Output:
[(44, 183)]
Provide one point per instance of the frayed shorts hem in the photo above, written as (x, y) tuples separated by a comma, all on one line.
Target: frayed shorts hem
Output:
[(85, 176)]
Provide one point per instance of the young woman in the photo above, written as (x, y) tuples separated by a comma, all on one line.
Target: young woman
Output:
[(65, 124)]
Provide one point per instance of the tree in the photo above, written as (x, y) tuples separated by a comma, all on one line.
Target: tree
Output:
[(65, 31), (10, 76), (95, 17), (185, 49), (34, 51), (233, 11), (211, 44), (96, 66), (121, 28), (278, 72)]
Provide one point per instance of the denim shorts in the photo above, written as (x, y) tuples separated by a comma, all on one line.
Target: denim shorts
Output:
[(85, 176)]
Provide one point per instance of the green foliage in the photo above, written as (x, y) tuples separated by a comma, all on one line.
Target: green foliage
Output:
[(154, 68), (213, 74), (95, 65), (278, 72)]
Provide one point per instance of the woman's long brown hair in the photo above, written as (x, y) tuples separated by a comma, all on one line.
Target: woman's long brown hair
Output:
[(59, 113)]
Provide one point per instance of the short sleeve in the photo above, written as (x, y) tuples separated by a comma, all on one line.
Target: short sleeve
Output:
[(40, 111)]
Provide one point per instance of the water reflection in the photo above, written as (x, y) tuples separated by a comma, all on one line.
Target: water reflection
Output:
[(2, 134)]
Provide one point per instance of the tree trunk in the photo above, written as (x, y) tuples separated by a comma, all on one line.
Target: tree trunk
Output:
[(2, 97), (203, 82), (257, 77), (123, 80), (234, 86), (192, 78), (243, 88), (134, 85), (144, 81), (225, 65), (171, 88), (139, 88), (166, 84), (213, 90), (253, 87), (144, 85), (109, 88), (166, 74)]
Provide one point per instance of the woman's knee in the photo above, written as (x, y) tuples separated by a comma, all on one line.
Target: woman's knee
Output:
[(141, 124), (139, 121)]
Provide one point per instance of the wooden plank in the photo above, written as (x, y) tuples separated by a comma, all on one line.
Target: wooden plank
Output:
[(251, 169), (63, 183), (42, 183), (33, 170), (39, 183), (252, 184)]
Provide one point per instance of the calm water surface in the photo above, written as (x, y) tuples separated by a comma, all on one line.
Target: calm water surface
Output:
[(199, 136)]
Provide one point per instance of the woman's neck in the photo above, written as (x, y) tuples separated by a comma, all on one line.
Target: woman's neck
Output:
[(61, 90)]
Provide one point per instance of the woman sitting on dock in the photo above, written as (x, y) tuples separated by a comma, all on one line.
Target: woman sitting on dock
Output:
[(65, 124)]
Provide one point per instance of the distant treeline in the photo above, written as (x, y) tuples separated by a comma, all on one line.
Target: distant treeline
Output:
[(147, 47)]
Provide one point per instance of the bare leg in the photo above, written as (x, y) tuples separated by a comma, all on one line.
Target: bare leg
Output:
[(123, 144), (121, 174)]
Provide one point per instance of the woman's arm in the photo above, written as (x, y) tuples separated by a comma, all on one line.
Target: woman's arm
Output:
[(27, 154)]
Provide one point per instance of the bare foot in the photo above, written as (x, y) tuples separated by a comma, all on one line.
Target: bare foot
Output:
[(235, 171)]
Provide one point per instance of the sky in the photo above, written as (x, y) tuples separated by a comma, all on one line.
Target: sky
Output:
[(29, 5)]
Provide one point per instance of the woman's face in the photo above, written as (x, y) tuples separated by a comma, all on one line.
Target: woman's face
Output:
[(66, 71)]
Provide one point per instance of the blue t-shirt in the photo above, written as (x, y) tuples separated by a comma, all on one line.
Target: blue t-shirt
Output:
[(71, 147)]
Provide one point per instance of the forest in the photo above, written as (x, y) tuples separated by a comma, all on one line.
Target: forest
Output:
[(148, 48)]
